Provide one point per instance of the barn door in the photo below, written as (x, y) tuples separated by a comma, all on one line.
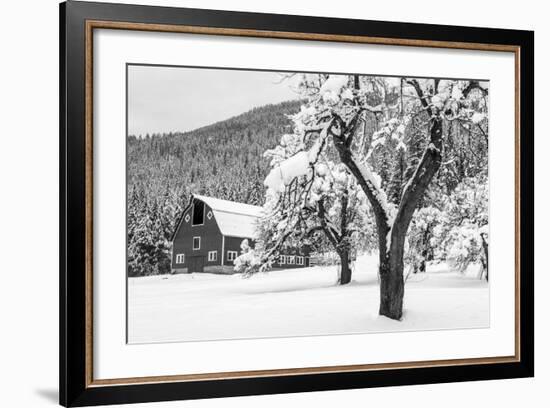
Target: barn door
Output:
[(196, 264)]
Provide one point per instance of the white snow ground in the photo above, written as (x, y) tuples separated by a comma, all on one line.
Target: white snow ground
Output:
[(299, 302)]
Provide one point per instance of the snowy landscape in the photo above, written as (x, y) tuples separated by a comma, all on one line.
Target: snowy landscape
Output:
[(203, 306), (269, 204)]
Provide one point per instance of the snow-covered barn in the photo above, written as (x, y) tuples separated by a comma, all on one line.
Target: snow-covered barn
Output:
[(210, 232)]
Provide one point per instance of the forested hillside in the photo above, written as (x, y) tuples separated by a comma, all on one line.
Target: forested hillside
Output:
[(223, 160)]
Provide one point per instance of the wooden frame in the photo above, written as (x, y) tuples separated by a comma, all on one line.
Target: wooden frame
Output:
[(77, 385)]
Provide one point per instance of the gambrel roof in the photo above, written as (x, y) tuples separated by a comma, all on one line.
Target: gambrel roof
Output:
[(234, 219)]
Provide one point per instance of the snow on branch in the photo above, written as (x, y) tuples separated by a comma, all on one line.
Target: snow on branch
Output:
[(281, 176), (298, 165)]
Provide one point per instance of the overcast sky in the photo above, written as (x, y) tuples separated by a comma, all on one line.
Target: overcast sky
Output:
[(164, 99)]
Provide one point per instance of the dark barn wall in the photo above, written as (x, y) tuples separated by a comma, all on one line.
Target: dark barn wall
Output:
[(211, 240)]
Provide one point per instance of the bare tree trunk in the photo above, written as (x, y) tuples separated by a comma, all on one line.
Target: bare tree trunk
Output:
[(339, 240), (424, 252), (486, 256), (392, 284), (345, 267)]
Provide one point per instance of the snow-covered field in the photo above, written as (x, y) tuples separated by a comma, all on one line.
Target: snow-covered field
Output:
[(299, 302)]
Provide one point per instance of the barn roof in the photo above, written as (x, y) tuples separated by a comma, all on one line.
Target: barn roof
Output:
[(234, 219)]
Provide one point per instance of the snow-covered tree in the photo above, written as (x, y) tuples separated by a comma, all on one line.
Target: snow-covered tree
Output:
[(310, 199), (338, 111), (421, 238), (463, 233), (248, 258)]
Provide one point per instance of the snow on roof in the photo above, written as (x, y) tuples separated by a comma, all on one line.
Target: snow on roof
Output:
[(234, 219)]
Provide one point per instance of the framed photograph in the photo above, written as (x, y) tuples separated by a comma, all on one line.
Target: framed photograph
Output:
[(256, 203)]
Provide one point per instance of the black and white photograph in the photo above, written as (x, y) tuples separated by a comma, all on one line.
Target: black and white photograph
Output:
[(274, 204)]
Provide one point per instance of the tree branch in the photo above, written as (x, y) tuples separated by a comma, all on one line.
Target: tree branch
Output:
[(420, 93), (419, 181), (329, 232), (344, 214), (361, 173), (353, 126)]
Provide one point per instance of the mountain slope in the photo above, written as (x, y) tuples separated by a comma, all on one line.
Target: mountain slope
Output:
[(223, 160)]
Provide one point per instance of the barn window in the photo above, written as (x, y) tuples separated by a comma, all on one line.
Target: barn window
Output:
[(180, 258), (212, 256), (196, 243), (282, 260), (231, 255), (198, 213), (291, 259), (299, 260)]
